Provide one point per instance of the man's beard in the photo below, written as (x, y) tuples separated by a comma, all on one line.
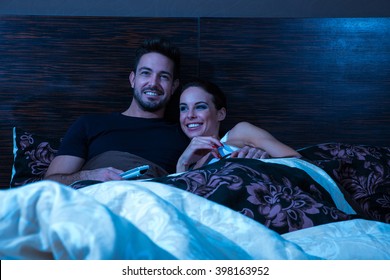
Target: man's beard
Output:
[(150, 106)]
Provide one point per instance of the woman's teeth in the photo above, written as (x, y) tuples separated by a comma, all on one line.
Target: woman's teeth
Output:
[(192, 125)]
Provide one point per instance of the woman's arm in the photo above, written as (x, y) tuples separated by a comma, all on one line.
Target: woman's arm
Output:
[(197, 152), (246, 134)]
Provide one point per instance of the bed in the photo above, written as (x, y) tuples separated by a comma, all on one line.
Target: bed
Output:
[(318, 84)]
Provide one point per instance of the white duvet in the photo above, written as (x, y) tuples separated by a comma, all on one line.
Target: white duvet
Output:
[(146, 220)]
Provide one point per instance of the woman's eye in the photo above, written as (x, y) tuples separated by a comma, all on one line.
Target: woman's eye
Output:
[(201, 107), (182, 108)]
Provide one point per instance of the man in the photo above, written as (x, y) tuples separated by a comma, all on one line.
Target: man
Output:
[(93, 144)]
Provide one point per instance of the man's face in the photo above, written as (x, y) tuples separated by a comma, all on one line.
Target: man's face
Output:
[(153, 82)]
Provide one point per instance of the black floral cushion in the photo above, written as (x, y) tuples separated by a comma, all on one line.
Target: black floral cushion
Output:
[(362, 173), (281, 197), (32, 156)]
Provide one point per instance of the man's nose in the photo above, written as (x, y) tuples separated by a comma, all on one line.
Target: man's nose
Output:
[(154, 79)]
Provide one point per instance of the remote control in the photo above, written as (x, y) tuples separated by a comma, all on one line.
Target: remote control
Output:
[(135, 172)]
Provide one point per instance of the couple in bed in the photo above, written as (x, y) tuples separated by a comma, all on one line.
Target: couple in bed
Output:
[(102, 147)]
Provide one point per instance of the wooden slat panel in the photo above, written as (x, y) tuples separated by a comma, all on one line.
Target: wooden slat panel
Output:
[(53, 69), (307, 81)]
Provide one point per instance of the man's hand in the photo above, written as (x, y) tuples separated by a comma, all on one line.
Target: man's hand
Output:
[(101, 174)]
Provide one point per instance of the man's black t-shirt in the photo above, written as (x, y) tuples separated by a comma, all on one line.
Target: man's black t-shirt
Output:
[(153, 139)]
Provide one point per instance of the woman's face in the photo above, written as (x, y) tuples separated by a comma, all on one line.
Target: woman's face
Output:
[(198, 114)]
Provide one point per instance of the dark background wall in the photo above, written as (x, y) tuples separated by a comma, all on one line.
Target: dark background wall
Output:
[(199, 8), (353, 54)]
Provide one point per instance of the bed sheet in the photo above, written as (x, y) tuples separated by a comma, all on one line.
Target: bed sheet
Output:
[(149, 220)]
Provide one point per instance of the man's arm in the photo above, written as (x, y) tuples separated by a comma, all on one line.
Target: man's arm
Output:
[(67, 169)]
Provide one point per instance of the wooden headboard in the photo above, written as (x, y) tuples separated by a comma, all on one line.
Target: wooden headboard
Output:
[(307, 81)]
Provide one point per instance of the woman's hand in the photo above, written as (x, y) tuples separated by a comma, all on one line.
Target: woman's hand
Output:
[(196, 150), (250, 152)]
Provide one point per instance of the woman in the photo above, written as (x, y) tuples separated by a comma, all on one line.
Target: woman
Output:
[(202, 108)]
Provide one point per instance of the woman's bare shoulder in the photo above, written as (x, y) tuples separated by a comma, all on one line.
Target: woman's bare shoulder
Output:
[(246, 127)]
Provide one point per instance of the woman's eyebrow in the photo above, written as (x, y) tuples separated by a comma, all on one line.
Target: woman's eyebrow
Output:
[(196, 103)]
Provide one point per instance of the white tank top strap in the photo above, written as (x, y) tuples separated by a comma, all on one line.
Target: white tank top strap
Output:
[(225, 150)]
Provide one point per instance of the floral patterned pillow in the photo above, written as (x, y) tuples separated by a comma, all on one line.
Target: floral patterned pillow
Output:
[(281, 197), (32, 156), (362, 173)]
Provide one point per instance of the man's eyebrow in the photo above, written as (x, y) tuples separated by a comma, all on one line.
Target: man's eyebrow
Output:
[(151, 70), (144, 68)]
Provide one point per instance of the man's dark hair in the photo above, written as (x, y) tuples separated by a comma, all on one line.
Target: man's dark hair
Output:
[(163, 47)]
